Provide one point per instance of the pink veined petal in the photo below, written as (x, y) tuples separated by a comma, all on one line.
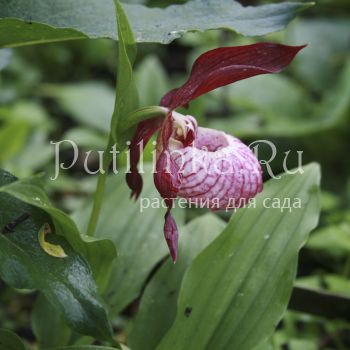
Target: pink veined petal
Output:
[(219, 170), (144, 132), (225, 65)]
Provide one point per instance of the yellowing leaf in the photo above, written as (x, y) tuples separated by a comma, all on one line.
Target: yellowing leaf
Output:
[(51, 249)]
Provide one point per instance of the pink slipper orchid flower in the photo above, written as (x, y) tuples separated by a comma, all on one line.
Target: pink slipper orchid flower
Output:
[(199, 164)]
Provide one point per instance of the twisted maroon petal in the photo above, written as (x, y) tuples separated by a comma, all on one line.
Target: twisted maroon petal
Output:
[(167, 178), (144, 132), (167, 181), (171, 235), (226, 65)]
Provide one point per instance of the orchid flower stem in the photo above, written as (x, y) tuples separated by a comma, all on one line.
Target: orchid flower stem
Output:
[(100, 189), (142, 114), (131, 121)]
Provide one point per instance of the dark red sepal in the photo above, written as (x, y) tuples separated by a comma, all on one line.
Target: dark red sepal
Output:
[(144, 132), (226, 65), (171, 235), (167, 178)]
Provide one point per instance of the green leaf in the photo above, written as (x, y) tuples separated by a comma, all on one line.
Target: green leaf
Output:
[(87, 347), (10, 341), (236, 291), (333, 240), (328, 39), (329, 201), (330, 283), (18, 32), (66, 282), (88, 103), (252, 94), (28, 22), (5, 57), (267, 345), (12, 137), (126, 92), (302, 344), (34, 154), (138, 236), (295, 117), (48, 325), (99, 253), (86, 138), (24, 133), (158, 305), (147, 72), (28, 112)]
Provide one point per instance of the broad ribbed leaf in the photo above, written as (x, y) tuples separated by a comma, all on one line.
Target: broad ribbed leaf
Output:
[(48, 325), (99, 253), (236, 291), (26, 22), (226, 65), (66, 282), (137, 233), (158, 305)]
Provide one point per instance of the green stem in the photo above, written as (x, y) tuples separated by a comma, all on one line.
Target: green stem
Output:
[(100, 189), (142, 114), (132, 120)]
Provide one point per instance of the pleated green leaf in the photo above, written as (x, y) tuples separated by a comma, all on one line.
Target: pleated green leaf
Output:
[(236, 291), (136, 232), (158, 305), (99, 253), (67, 282), (24, 22)]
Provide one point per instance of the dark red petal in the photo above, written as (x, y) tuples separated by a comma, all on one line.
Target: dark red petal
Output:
[(144, 132), (167, 178), (171, 234), (167, 181), (167, 129), (226, 65), (166, 99)]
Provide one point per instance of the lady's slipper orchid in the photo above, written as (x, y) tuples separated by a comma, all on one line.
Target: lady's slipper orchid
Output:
[(201, 164)]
